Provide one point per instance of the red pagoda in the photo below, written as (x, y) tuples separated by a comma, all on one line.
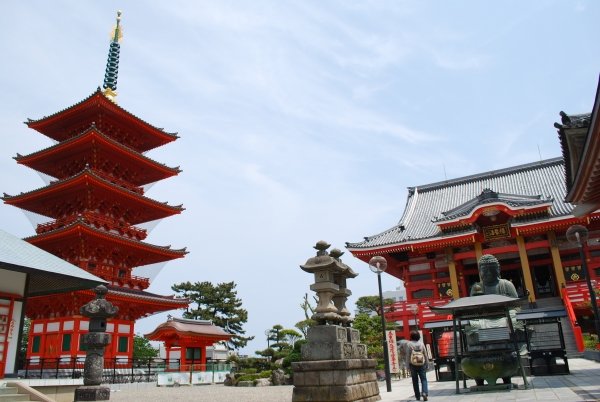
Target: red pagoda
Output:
[(94, 203)]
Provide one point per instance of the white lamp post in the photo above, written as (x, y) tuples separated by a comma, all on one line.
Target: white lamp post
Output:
[(378, 265)]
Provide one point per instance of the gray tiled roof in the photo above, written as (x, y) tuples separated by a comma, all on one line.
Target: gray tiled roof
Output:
[(47, 272), (543, 180), (574, 120), (488, 196)]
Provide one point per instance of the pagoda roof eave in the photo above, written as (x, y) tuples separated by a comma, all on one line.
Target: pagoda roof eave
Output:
[(45, 124), (125, 294), (78, 227), (60, 186), (133, 304), (36, 160), (159, 334), (187, 328)]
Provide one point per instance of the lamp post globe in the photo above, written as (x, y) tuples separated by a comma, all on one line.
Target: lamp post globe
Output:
[(378, 264), (578, 235), (415, 311)]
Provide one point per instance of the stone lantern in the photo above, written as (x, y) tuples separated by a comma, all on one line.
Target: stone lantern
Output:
[(98, 311), (341, 296), (324, 267)]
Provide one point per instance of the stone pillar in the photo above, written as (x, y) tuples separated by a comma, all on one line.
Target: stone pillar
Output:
[(97, 310)]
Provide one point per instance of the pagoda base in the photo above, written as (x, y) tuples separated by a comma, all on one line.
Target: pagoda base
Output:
[(92, 393)]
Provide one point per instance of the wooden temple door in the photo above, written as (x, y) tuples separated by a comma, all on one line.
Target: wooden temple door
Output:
[(544, 281), (52, 346)]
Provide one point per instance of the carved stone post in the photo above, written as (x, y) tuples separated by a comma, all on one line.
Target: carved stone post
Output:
[(97, 310)]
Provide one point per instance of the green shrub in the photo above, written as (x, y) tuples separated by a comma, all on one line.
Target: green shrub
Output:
[(247, 377), (265, 374), (294, 356), (590, 341), (249, 370)]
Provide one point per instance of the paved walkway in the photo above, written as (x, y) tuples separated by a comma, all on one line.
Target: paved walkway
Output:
[(583, 384)]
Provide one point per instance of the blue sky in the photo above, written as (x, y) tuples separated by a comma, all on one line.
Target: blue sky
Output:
[(299, 120)]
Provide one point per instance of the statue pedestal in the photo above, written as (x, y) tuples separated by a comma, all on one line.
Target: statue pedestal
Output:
[(334, 367), (493, 388), (92, 393)]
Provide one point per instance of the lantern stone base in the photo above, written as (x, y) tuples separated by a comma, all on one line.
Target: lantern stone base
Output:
[(92, 393), (335, 380), (333, 342)]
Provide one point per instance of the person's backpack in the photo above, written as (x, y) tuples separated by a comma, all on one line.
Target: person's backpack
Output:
[(417, 358)]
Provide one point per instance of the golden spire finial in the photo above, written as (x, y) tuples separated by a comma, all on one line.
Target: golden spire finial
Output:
[(117, 32), (112, 65)]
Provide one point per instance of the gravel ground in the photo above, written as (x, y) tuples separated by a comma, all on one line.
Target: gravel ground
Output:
[(200, 393)]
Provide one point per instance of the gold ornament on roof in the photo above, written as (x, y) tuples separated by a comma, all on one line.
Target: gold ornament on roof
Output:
[(116, 33)]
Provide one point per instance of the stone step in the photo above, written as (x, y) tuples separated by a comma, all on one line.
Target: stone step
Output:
[(570, 345), (13, 397), (8, 390), (549, 302)]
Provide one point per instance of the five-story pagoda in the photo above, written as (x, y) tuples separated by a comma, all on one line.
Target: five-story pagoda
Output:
[(95, 203)]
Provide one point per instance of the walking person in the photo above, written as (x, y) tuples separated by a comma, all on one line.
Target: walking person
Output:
[(417, 360)]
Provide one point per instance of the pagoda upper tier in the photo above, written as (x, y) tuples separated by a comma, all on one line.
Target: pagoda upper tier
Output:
[(111, 119), (93, 191), (95, 149), (81, 240)]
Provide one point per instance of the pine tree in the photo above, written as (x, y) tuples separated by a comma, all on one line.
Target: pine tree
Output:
[(218, 303)]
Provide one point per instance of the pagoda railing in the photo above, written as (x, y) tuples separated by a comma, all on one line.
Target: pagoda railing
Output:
[(573, 318), (99, 221), (121, 277), (118, 370), (119, 182)]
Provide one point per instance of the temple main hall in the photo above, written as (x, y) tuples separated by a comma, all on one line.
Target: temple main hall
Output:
[(519, 214)]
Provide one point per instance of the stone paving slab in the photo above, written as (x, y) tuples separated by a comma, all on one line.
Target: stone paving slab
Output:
[(583, 384)]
